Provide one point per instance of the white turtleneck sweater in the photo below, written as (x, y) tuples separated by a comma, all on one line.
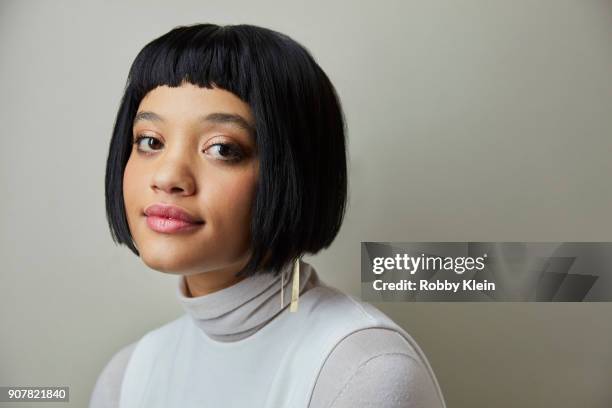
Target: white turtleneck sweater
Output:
[(373, 367)]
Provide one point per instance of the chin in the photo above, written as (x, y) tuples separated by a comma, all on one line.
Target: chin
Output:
[(164, 263)]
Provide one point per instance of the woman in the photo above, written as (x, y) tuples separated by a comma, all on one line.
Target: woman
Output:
[(228, 163)]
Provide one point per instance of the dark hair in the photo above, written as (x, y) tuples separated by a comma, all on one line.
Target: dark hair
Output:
[(301, 194)]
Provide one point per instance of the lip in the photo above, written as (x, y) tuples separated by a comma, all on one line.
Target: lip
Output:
[(169, 218)]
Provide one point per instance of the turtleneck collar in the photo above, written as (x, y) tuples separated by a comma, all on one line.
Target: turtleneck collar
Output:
[(238, 311)]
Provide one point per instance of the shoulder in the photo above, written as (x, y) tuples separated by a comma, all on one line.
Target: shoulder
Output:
[(375, 367), (107, 389), (332, 303), (108, 385)]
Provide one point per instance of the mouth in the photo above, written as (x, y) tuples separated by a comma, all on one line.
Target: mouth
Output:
[(171, 225), (168, 218)]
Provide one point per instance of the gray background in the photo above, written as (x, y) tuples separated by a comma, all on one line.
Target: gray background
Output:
[(468, 121)]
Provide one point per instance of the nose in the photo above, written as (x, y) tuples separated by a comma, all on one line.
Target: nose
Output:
[(173, 175)]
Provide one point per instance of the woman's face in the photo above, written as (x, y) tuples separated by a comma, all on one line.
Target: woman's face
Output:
[(196, 151)]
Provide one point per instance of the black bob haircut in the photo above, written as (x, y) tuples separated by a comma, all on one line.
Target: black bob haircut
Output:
[(301, 193)]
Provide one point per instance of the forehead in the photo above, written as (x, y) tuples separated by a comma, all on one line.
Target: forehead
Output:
[(190, 102)]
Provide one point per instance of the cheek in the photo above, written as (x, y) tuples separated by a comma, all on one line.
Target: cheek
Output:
[(230, 201), (129, 175), (132, 186)]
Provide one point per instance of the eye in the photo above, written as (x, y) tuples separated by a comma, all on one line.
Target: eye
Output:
[(227, 151), (151, 143)]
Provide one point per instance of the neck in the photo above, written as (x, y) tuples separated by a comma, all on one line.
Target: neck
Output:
[(239, 310), (208, 282)]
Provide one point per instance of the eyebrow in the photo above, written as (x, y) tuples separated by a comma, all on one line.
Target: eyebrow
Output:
[(215, 117)]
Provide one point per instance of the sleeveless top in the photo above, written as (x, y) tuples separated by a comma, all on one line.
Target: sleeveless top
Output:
[(178, 365)]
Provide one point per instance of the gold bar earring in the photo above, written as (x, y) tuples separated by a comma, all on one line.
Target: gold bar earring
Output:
[(282, 288), (295, 290)]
